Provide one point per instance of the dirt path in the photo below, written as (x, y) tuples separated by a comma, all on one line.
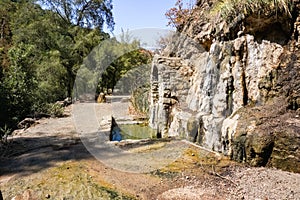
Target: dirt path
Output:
[(71, 158)]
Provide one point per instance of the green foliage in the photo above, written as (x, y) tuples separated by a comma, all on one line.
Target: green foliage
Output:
[(83, 13), (17, 86), (50, 109), (55, 110), (134, 79), (136, 83), (4, 132), (108, 63), (119, 67), (40, 53), (131, 56)]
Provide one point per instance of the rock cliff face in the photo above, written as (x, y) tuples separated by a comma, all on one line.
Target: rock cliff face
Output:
[(233, 87)]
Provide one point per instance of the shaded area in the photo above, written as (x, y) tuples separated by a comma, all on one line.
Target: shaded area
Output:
[(27, 155), (271, 28)]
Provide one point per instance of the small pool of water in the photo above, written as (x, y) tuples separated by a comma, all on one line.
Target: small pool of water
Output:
[(136, 131)]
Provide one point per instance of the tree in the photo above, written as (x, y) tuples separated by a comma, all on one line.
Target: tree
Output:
[(61, 48), (125, 55), (38, 29), (5, 33), (108, 63), (81, 23), (17, 86), (178, 15), (40, 54), (83, 13)]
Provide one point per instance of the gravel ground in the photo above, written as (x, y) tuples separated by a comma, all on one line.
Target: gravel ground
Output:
[(51, 157), (245, 183)]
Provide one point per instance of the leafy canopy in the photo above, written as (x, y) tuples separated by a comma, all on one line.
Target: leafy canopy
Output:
[(41, 51), (84, 13)]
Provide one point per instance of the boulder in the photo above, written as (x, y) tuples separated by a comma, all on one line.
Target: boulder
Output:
[(265, 136), (26, 123)]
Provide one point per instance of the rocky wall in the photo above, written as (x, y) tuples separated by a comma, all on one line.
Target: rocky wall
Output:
[(238, 96), (192, 96)]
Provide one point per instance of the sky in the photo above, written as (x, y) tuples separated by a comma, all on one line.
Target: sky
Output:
[(144, 19), (138, 14)]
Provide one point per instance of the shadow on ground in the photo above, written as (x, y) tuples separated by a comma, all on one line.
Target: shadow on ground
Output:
[(27, 155)]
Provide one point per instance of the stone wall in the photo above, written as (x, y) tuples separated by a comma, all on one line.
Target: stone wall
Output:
[(170, 85), (230, 95), (192, 97)]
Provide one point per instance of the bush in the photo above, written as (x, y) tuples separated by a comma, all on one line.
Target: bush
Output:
[(51, 109), (55, 110), (179, 14), (4, 132)]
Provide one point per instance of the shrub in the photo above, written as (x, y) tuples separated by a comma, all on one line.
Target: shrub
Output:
[(228, 9), (179, 14), (4, 132), (55, 110)]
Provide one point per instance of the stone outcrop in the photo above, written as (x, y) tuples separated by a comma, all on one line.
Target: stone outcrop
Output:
[(232, 87), (26, 123)]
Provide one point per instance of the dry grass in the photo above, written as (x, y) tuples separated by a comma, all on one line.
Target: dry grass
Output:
[(147, 148), (67, 180), (227, 9), (198, 160)]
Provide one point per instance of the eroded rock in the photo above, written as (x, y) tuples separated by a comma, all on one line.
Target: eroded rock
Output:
[(233, 83)]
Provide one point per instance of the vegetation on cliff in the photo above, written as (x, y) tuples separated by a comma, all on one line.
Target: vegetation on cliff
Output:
[(225, 20), (227, 8)]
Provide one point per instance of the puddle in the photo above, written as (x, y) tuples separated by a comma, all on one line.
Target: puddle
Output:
[(137, 131)]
